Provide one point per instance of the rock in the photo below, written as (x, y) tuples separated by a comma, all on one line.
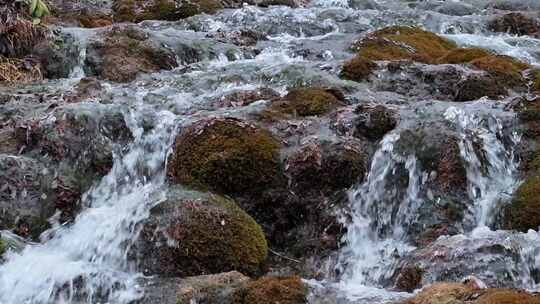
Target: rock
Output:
[(89, 13), (126, 52), (441, 293), (402, 42), (271, 290), (210, 289), (242, 37), (523, 213), (409, 279), (516, 24), (226, 155), (171, 10), (477, 86), (58, 56), (326, 167), (305, 102), (193, 233), (506, 70), (357, 69), (373, 122), (87, 88)]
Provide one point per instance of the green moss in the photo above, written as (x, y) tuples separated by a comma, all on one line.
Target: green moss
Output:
[(306, 102), (272, 290), (216, 236), (535, 81), (404, 43), (225, 155), (463, 55), (3, 247), (524, 212), (357, 69)]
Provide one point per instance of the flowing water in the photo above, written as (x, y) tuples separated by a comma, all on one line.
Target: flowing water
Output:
[(86, 262)]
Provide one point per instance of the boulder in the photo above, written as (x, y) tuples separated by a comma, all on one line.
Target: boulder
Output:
[(305, 102), (171, 10), (515, 24), (374, 121), (357, 69), (194, 233)]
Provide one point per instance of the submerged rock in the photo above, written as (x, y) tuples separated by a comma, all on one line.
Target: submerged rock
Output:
[(124, 53), (194, 233), (226, 155)]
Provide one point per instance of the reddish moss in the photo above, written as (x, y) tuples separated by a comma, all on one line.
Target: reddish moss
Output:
[(441, 293), (273, 290), (357, 69), (402, 42), (506, 70), (463, 55), (226, 155), (507, 296)]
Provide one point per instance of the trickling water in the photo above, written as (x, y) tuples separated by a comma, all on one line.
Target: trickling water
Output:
[(87, 260)]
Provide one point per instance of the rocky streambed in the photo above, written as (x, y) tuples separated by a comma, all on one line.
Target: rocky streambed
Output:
[(361, 151)]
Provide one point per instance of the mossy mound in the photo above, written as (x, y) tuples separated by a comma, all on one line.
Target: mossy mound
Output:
[(273, 290), (524, 211), (226, 155), (404, 43), (535, 81), (171, 10), (357, 69), (200, 234), (306, 102), (507, 296), (463, 55)]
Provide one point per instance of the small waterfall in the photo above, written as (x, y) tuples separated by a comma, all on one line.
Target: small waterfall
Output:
[(491, 166), (384, 205), (86, 261)]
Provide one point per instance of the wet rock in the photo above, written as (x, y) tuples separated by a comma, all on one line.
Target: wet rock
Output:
[(495, 258), (478, 86), (357, 69), (516, 24), (409, 278), (326, 167), (87, 88), (244, 98), (373, 122), (451, 293), (305, 102), (91, 13), (227, 155), (506, 70), (269, 290), (242, 37), (522, 213), (171, 10), (25, 187), (193, 233), (126, 52), (57, 56), (210, 289), (402, 42)]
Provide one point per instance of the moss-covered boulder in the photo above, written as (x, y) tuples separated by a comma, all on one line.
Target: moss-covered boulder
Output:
[(273, 290), (507, 70), (226, 155), (507, 296), (139, 10), (403, 43), (524, 211), (193, 233), (535, 79), (477, 86), (305, 102), (124, 53), (357, 69)]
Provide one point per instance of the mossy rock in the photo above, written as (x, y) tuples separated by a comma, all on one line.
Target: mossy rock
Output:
[(305, 102), (171, 10), (535, 87), (505, 69), (404, 43), (357, 69), (197, 234), (226, 155), (524, 211), (478, 86), (273, 290), (463, 55)]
